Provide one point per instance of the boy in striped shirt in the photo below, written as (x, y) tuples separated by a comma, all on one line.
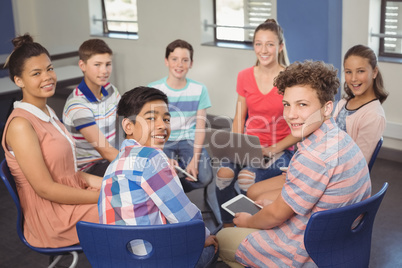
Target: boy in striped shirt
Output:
[(327, 171), (188, 101), (90, 110)]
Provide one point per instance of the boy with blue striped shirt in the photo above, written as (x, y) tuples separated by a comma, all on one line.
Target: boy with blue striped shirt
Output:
[(188, 101), (90, 110)]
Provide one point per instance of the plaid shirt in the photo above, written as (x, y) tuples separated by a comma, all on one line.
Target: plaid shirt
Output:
[(141, 188)]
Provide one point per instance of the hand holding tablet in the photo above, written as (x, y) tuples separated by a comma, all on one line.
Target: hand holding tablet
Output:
[(186, 173), (241, 203)]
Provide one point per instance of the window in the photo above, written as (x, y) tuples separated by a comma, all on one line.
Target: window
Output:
[(235, 20), (114, 18), (391, 29)]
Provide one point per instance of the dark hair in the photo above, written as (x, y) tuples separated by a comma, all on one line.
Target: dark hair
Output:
[(273, 26), (179, 43), (378, 84), (24, 48), (93, 47), (318, 75), (133, 100)]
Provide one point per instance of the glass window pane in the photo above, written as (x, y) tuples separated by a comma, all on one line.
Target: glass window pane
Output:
[(121, 10), (231, 13), (393, 26)]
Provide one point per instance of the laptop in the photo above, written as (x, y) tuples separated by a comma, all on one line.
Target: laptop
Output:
[(242, 149)]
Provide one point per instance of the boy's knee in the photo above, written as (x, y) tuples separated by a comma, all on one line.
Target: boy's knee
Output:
[(224, 177), (246, 179)]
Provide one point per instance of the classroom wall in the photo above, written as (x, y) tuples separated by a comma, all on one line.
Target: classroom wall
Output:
[(63, 25)]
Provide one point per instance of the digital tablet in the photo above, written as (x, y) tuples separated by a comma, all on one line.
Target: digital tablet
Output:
[(186, 173), (241, 203)]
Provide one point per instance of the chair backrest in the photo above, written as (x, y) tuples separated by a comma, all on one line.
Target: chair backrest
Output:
[(334, 238), (9, 182), (375, 153), (173, 245)]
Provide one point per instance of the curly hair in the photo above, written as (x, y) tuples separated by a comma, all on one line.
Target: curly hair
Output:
[(318, 75)]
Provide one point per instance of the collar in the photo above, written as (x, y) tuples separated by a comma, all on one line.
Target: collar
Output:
[(318, 134), (88, 93), (36, 111), (129, 142)]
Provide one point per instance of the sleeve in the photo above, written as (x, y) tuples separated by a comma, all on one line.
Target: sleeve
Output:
[(163, 186), (306, 181), (371, 128), (239, 85), (79, 116), (205, 102)]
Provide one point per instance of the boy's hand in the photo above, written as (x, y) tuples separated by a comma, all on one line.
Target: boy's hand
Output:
[(264, 202), (241, 219), (173, 162), (211, 240), (192, 168)]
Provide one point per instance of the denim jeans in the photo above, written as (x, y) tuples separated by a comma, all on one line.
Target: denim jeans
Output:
[(208, 258), (261, 174), (183, 152)]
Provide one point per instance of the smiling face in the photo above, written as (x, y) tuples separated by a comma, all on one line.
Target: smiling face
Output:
[(179, 63), (152, 125), (38, 79), (359, 76), (303, 110), (267, 47), (97, 70)]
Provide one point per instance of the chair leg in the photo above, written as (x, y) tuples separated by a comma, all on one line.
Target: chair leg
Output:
[(55, 260)]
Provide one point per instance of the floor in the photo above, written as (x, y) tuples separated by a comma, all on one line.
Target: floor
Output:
[(386, 242)]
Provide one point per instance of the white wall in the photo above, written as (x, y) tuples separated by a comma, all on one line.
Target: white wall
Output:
[(63, 25), (60, 24)]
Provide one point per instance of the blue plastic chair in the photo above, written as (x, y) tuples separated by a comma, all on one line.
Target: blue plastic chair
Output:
[(375, 153), (54, 253), (333, 238), (173, 245)]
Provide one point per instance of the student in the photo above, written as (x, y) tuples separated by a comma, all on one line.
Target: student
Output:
[(326, 163), (360, 113), (258, 101), (140, 187), (188, 101), (90, 110), (40, 152)]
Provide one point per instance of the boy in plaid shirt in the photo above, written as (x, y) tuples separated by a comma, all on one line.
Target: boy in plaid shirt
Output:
[(140, 187)]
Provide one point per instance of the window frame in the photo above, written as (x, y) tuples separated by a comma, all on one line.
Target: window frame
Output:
[(98, 22), (233, 43), (382, 53), (105, 21)]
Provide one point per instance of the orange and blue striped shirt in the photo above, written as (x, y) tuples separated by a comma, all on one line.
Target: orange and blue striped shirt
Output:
[(327, 171)]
